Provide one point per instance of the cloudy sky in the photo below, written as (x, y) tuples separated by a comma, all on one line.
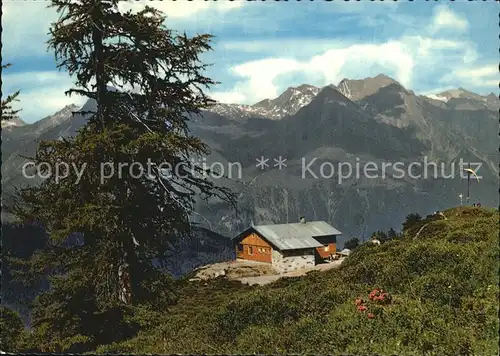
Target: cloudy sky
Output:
[(261, 48)]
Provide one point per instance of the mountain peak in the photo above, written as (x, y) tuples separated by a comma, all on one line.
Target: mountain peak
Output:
[(57, 118), (331, 93), (304, 87), (382, 76), (15, 122), (459, 93), (67, 109), (286, 104), (289, 102), (357, 89)]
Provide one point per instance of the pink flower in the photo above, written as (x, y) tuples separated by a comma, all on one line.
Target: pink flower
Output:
[(362, 308), (374, 293), (370, 316)]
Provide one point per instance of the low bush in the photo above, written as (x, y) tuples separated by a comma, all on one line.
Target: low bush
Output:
[(434, 295)]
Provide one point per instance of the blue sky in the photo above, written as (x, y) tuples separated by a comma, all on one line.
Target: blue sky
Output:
[(261, 48)]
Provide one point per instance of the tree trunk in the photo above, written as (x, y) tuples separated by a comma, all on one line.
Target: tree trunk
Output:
[(124, 283), (101, 82)]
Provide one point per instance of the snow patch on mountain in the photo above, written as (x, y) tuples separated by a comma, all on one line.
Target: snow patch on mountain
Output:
[(357, 89), (437, 97), (287, 104), (58, 118), (236, 111), (344, 89), (63, 114), (461, 93), (12, 123)]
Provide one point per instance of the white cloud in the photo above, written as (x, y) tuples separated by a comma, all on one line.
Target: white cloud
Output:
[(42, 93), (323, 61), (264, 64), (26, 24), (428, 47), (228, 97), (481, 72), (432, 93), (285, 47), (444, 18), (181, 9), (25, 33), (484, 76), (25, 28), (402, 59)]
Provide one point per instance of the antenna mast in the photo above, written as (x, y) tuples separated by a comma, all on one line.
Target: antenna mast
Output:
[(286, 205), (468, 186)]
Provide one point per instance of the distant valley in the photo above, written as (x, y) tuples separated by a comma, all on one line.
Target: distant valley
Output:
[(368, 120)]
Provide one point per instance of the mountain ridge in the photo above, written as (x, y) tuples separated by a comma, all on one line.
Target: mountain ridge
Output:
[(353, 89), (15, 122), (392, 124), (272, 108)]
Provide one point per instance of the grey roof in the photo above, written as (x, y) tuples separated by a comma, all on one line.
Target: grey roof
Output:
[(297, 235), (345, 251)]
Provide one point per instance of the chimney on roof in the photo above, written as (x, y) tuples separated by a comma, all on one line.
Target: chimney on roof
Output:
[(302, 219)]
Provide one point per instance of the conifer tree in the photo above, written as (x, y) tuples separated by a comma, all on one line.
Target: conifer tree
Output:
[(411, 220), (352, 243), (146, 82), (392, 234)]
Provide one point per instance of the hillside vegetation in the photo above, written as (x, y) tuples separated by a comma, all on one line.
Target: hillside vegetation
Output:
[(439, 295)]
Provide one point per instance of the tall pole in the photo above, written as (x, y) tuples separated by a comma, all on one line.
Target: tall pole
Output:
[(468, 186), (286, 204)]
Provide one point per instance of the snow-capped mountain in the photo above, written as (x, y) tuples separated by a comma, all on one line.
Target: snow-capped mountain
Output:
[(295, 98), (461, 93), (356, 90), (391, 124), (236, 111), (6, 124), (58, 118), (287, 104), (466, 100)]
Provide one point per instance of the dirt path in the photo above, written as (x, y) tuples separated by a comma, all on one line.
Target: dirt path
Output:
[(262, 280), (254, 273)]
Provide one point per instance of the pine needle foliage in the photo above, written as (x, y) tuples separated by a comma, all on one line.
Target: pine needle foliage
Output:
[(144, 83)]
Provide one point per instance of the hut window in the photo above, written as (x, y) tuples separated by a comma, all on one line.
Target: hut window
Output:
[(327, 248), (250, 250)]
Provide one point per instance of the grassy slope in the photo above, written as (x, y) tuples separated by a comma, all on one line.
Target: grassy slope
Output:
[(444, 288)]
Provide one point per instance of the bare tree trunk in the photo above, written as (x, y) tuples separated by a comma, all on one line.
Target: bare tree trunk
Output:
[(124, 283)]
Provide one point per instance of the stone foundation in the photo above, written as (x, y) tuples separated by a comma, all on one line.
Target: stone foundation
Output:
[(293, 260)]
